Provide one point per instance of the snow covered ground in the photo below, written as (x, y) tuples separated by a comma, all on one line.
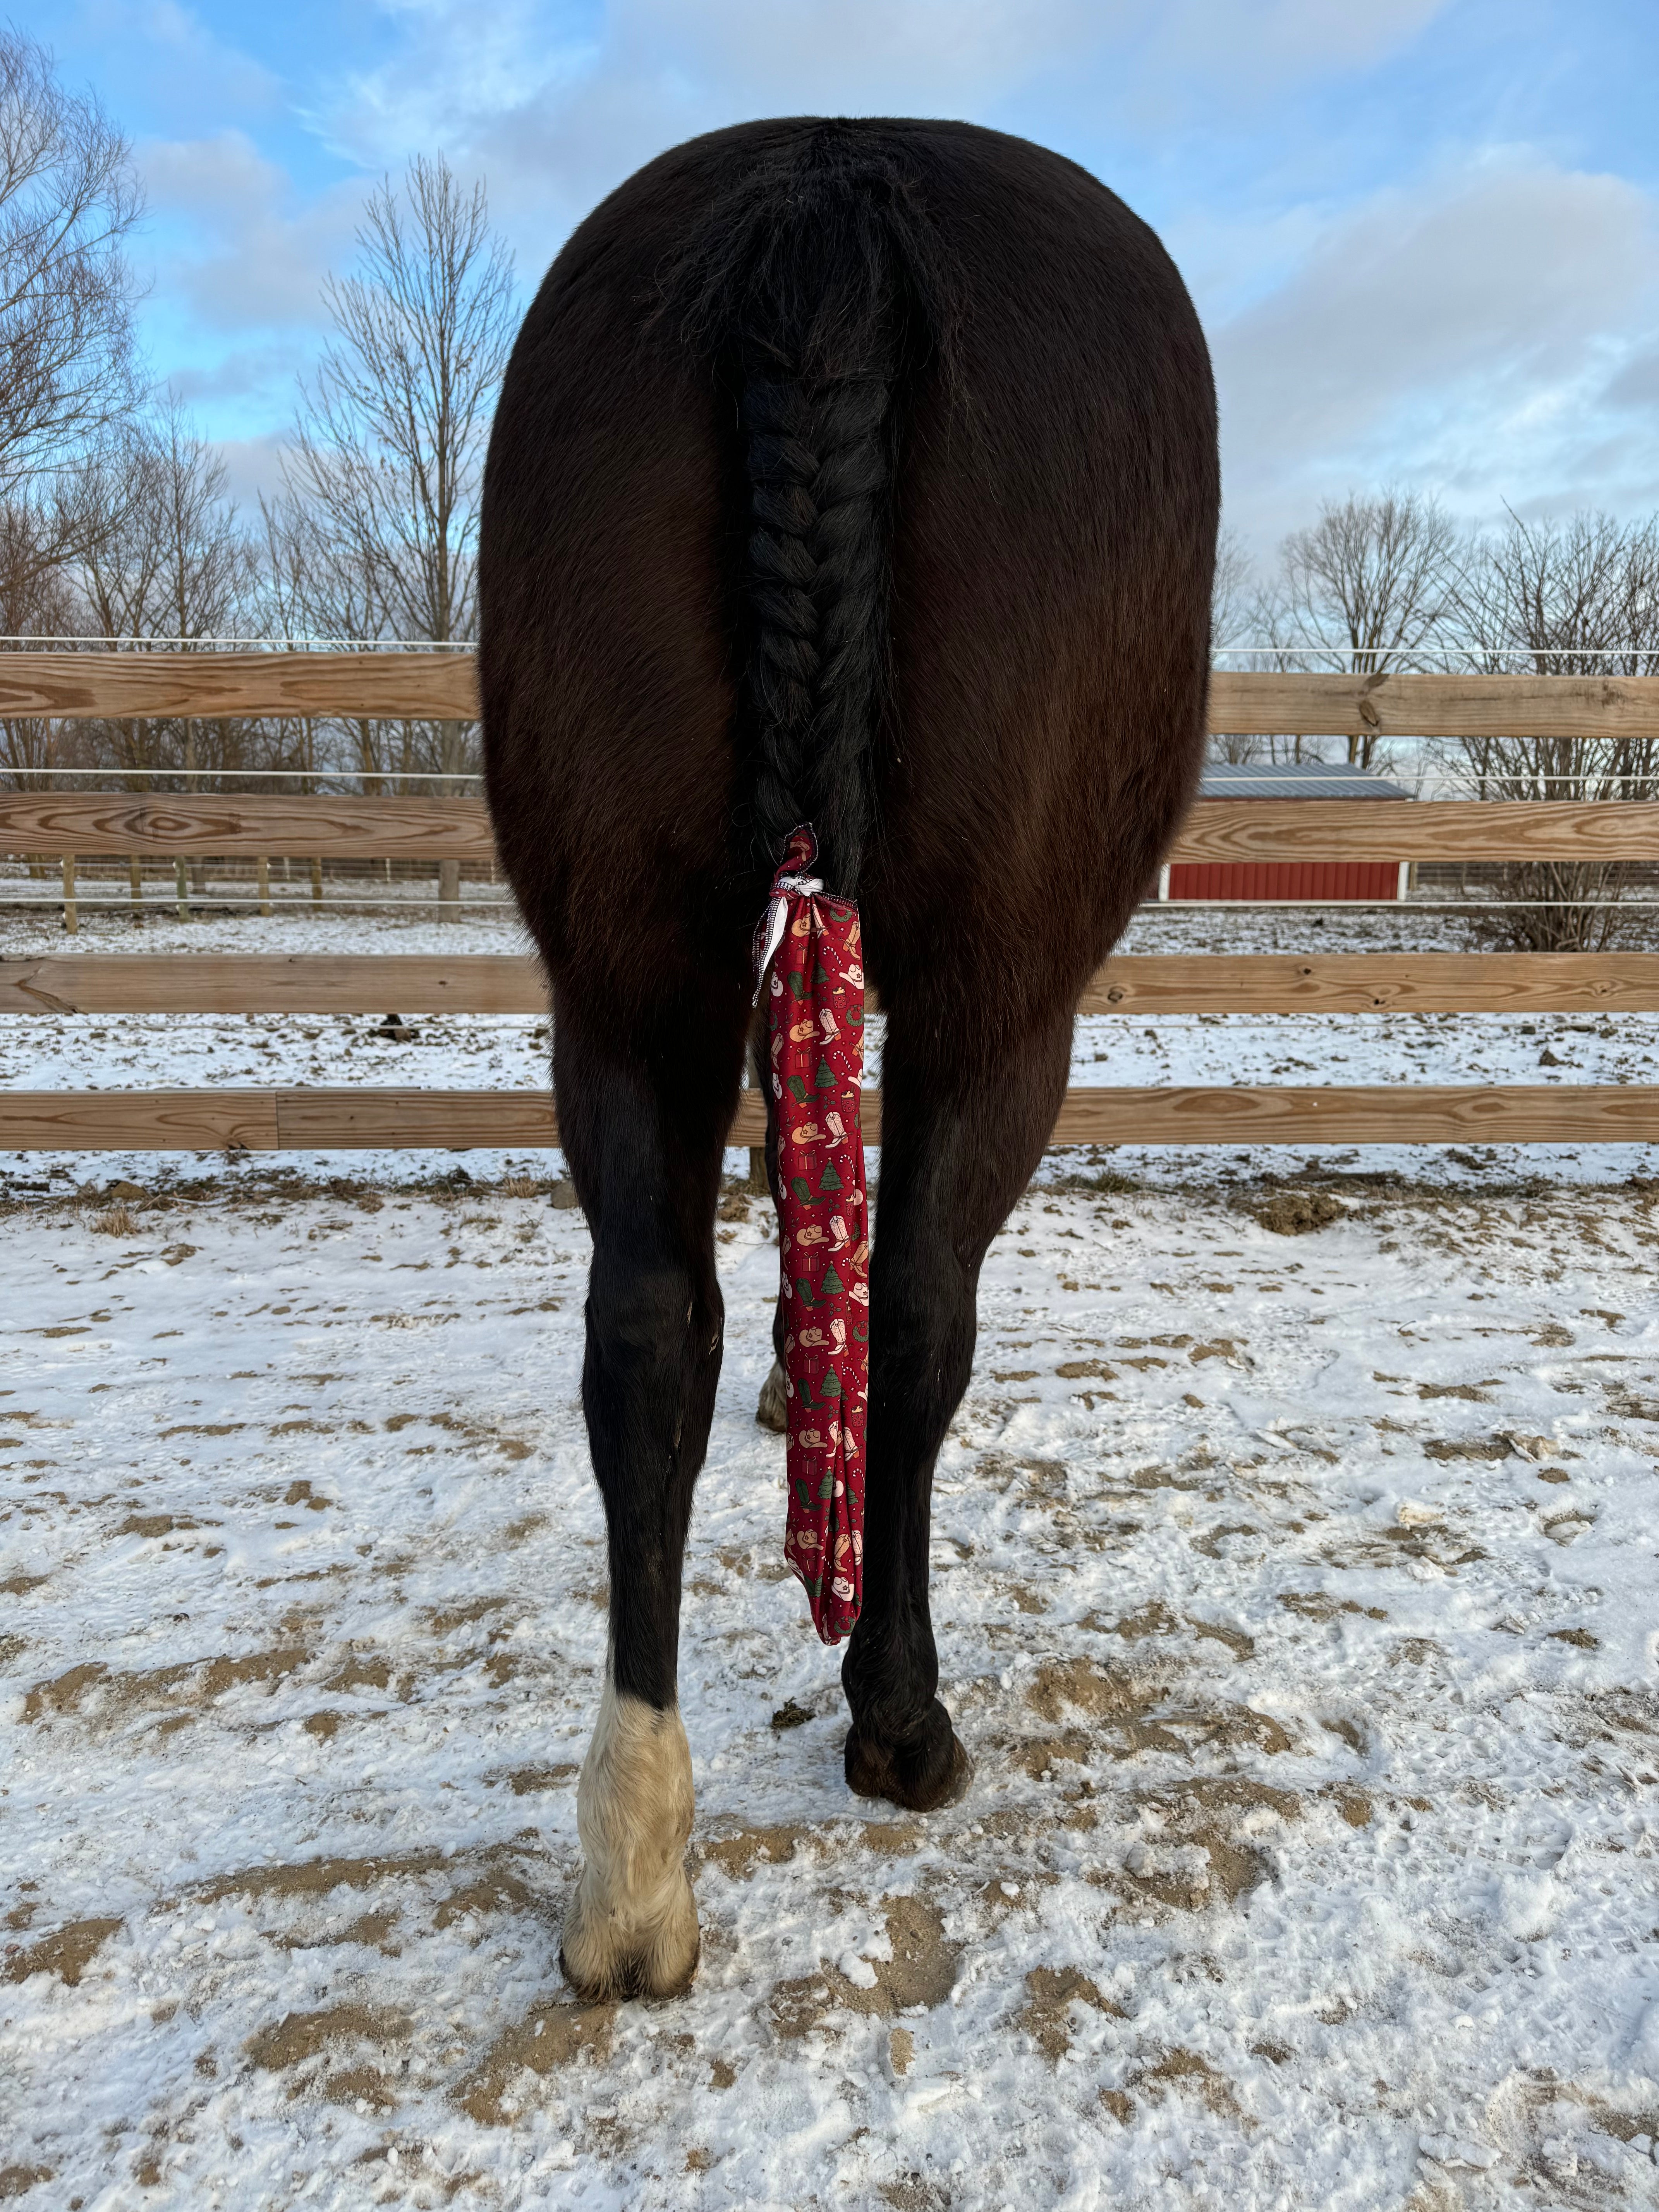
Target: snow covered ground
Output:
[(1295, 1594), (1296, 1588)]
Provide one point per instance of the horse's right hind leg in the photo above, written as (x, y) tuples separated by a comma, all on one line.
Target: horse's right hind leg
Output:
[(962, 1131)]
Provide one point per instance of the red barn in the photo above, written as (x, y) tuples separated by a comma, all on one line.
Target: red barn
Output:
[(1331, 880)]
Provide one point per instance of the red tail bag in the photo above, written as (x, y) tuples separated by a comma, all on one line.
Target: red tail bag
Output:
[(815, 1019)]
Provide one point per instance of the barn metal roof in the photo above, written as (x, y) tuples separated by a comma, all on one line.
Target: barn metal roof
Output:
[(1295, 780)]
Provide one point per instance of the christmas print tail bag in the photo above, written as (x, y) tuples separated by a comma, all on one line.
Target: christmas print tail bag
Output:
[(815, 1020)]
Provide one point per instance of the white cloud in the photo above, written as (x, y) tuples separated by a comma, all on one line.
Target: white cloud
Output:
[(1461, 334), (237, 245), (557, 119)]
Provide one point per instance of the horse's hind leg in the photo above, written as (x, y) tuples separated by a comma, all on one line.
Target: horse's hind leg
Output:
[(643, 1133), (962, 1132)]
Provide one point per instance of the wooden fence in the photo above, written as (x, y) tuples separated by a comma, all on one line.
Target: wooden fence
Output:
[(395, 684)]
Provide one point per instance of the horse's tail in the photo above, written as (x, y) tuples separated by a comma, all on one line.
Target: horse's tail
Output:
[(819, 284)]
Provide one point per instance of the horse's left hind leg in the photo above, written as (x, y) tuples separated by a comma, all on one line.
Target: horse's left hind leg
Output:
[(643, 1134)]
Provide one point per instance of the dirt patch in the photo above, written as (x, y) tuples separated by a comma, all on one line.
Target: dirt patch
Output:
[(1196, 1855), (360, 1674), (1319, 1605), (1351, 1733), (922, 1971), (442, 1620), (1487, 1448), (531, 1781), (67, 1952), (550, 2038), (1184, 2071), (741, 1851), (1140, 1716), (1242, 1646), (1083, 1685), (371, 1930), (1295, 1212), (18, 2180), (914, 2192), (1155, 1619), (496, 1889), (317, 1877), (299, 2037), (1046, 2015), (110, 1697), (358, 2086)]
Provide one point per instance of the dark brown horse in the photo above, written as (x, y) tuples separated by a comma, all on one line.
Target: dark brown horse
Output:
[(862, 474)]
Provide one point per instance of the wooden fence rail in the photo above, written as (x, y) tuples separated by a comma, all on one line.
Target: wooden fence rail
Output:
[(443, 686), (374, 1120), (1145, 984), (183, 826), (398, 685)]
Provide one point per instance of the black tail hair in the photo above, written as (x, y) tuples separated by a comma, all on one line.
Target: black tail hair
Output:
[(819, 284)]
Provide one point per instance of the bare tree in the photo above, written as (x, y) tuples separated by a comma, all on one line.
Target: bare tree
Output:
[(1233, 596), (314, 585), (35, 601), (389, 455), (1575, 598), (1232, 592), (1368, 583), (1367, 588), (69, 199), (174, 564)]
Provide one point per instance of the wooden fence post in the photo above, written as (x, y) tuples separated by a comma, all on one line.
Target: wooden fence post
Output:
[(136, 885), (317, 881), (262, 880), (184, 900), (71, 918), (449, 890)]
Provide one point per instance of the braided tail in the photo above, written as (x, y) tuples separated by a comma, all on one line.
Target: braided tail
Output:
[(820, 285), (820, 474)]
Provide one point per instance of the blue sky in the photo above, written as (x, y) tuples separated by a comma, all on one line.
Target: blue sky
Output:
[(1423, 235)]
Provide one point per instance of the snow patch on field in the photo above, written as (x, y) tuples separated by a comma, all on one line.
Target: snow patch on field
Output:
[(1295, 1595)]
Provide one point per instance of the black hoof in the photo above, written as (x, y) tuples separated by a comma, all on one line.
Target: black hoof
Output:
[(922, 1776)]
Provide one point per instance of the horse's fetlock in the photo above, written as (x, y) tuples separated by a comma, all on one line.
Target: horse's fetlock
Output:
[(631, 1930)]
